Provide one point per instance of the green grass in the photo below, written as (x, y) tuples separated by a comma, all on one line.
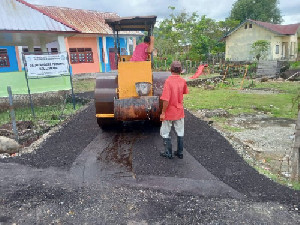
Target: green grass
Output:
[(278, 179), (287, 87), (232, 129), (236, 102), (84, 85), (52, 114), (18, 83), (295, 65)]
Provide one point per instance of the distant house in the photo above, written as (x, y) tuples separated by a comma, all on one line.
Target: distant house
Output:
[(283, 40)]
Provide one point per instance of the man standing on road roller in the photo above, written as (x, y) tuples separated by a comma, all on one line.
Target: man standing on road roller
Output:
[(173, 112), (143, 50)]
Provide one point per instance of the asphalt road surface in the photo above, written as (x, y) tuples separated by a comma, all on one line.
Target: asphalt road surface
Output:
[(83, 175)]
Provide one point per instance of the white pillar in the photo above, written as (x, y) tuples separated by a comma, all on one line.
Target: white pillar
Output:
[(98, 52), (30, 48), (127, 41), (104, 52), (20, 49), (43, 47), (134, 43), (61, 44)]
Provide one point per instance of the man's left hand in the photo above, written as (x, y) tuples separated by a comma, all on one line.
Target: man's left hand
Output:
[(162, 117)]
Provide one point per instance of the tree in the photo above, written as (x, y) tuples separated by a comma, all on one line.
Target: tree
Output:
[(173, 36), (261, 10), (185, 36), (260, 49)]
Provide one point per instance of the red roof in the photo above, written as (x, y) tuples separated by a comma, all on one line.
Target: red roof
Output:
[(277, 28), (85, 21)]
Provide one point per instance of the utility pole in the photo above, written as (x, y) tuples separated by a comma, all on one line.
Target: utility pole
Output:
[(295, 175)]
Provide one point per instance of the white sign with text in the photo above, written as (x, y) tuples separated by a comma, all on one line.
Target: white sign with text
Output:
[(47, 65)]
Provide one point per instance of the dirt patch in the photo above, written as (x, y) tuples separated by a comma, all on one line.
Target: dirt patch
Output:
[(261, 139), (261, 91), (291, 72), (28, 132)]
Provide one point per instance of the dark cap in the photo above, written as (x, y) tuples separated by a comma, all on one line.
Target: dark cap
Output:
[(176, 67)]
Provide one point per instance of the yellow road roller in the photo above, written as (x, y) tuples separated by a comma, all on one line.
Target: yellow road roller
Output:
[(133, 91)]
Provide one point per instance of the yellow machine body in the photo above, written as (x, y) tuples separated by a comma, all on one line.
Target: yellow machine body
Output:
[(130, 73), (116, 97)]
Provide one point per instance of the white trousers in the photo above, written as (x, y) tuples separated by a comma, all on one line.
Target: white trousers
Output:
[(167, 125)]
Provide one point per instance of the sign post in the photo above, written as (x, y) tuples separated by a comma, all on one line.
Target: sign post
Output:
[(46, 65), (12, 113), (28, 88)]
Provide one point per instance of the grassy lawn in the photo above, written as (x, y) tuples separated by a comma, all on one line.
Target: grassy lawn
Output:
[(18, 83), (84, 85), (229, 98), (276, 178), (51, 114)]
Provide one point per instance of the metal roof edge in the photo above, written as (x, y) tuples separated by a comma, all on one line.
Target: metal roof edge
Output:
[(37, 31), (47, 14), (229, 33), (252, 21), (273, 31)]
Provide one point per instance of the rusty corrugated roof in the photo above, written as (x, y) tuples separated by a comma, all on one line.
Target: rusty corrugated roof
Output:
[(289, 29), (86, 21), (135, 23), (17, 15)]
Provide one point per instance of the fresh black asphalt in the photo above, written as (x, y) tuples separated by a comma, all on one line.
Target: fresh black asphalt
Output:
[(203, 142), (209, 159)]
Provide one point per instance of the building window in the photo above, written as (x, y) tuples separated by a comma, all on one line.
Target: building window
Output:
[(81, 55), (37, 50), (277, 49), (246, 26), (293, 45), (54, 50), (250, 25), (4, 60)]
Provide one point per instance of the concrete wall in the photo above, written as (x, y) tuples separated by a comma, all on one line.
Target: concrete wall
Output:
[(84, 42), (13, 62), (238, 44)]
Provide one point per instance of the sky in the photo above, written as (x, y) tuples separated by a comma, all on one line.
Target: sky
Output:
[(215, 9)]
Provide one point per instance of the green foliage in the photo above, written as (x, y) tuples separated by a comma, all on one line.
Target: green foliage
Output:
[(51, 114), (84, 85), (262, 10), (277, 178), (185, 36), (295, 65), (260, 49)]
